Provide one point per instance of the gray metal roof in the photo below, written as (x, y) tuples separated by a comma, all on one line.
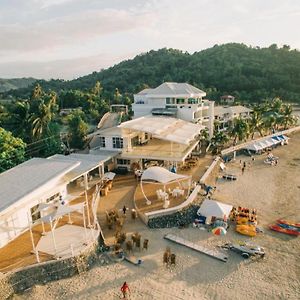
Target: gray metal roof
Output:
[(237, 109), (174, 89), (28, 176), (87, 162)]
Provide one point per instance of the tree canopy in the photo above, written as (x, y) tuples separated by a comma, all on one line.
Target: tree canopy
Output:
[(248, 73)]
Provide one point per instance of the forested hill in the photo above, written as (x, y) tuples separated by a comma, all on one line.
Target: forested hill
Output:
[(15, 83), (248, 73)]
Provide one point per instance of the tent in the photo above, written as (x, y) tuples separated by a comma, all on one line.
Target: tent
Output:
[(212, 208), (162, 176)]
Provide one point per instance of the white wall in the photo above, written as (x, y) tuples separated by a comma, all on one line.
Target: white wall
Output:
[(18, 212)]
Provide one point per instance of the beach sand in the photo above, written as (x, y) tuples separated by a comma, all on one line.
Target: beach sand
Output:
[(273, 190)]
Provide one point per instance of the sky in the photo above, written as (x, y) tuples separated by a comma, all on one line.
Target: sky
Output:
[(70, 38)]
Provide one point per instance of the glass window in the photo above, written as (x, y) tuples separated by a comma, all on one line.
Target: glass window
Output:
[(192, 101), (35, 215), (123, 161), (179, 101), (102, 141), (117, 142)]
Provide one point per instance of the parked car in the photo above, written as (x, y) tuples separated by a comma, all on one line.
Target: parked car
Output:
[(246, 250)]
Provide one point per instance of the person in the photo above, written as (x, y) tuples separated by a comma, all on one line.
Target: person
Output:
[(124, 210), (125, 289), (243, 170), (244, 165)]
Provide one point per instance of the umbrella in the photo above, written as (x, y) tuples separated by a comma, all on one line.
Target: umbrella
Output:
[(219, 231)]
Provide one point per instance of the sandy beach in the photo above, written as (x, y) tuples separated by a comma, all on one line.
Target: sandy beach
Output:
[(273, 190)]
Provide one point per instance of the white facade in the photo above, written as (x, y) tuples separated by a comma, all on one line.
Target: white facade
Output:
[(226, 114), (180, 100)]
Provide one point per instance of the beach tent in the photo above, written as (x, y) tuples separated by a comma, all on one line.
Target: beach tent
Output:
[(161, 176), (212, 208), (254, 147)]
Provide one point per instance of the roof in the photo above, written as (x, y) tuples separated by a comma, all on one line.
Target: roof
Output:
[(212, 208), (87, 162), (161, 175), (112, 131), (23, 179), (173, 89), (165, 128), (237, 109), (144, 91)]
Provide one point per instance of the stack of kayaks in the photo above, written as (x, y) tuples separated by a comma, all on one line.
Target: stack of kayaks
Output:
[(286, 227)]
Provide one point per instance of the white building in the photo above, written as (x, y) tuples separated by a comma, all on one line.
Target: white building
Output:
[(39, 180), (180, 100), (148, 140), (224, 115)]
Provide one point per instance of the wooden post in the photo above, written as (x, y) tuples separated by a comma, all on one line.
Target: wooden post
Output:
[(32, 240), (87, 208), (53, 237)]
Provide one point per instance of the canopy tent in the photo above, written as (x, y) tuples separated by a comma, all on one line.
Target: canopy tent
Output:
[(165, 128), (163, 176), (212, 208)]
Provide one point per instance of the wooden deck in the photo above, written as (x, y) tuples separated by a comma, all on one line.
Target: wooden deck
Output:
[(18, 253)]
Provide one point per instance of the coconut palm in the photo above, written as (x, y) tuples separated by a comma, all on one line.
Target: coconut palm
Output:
[(218, 141), (287, 118), (41, 119), (276, 105), (256, 123), (239, 129)]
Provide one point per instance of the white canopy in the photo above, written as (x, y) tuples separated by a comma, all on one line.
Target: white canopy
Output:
[(212, 208), (161, 175), (165, 128)]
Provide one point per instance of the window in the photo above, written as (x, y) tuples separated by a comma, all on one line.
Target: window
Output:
[(180, 101), (34, 214), (53, 198), (170, 101), (192, 101), (117, 142), (102, 141), (123, 161)]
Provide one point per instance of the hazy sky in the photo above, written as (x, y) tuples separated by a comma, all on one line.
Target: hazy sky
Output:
[(70, 38)]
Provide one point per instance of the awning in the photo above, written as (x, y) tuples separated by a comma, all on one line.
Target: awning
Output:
[(165, 128), (161, 175)]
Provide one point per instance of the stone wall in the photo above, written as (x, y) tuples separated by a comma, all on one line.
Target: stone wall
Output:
[(181, 218), (20, 280)]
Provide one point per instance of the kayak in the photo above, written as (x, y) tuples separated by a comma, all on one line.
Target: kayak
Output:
[(297, 225), (249, 230), (289, 227), (284, 230)]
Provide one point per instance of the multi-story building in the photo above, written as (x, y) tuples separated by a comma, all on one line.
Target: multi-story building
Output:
[(179, 100), (224, 115)]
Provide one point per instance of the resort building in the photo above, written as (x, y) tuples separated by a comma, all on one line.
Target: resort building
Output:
[(224, 115), (148, 140), (227, 99), (179, 100), (56, 180)]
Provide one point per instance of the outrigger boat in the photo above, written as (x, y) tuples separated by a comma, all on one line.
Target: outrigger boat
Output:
[(280, 229), (288, 223)]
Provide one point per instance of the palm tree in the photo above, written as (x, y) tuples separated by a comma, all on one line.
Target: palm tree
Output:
[(41, 119), (218, 141), (239, 130), (276, 105), (256, 123), (287, 117)]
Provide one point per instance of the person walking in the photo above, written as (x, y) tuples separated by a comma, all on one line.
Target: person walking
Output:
[(125, 290), (124, 210)]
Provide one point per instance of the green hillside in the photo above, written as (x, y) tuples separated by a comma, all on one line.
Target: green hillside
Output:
[(250, 74), (15, 83)]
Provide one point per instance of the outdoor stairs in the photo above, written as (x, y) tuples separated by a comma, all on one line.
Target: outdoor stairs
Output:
[(212, 253)]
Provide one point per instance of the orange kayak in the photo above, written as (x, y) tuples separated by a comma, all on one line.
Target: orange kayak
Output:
[(249, 230), (284, 230), (289, 223)]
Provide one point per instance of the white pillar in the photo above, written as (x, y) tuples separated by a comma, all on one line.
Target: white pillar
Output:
[(84, 222), (234, 155), (211, 112), (32, 240), (53, 237), (86, 184), (87, 208), (43, 227)]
